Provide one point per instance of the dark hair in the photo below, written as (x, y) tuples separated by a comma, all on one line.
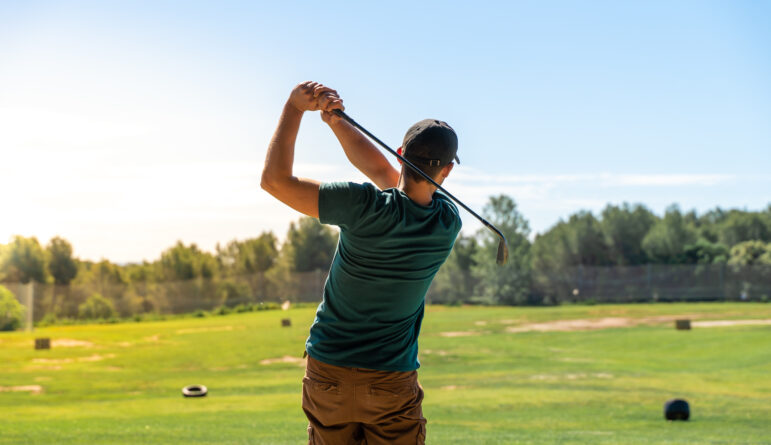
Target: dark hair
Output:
[(431, 171)]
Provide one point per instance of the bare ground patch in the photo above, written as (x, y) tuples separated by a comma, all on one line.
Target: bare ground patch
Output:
[(624, 322), (32, 389), (458, 333), (571, 376), (285, 359), (213, 329), (60, 361), (721, 323), (70, 343), (438, 352)]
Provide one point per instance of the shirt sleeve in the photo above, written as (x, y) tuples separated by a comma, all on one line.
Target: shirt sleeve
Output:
[(344, 204), (457, 223)]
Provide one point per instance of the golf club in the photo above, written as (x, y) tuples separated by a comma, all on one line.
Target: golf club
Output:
[(503, 247)]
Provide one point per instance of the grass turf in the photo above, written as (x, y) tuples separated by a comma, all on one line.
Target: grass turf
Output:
[(483, 386)]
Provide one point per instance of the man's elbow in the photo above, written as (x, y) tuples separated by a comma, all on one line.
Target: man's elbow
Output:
[(267, 182)]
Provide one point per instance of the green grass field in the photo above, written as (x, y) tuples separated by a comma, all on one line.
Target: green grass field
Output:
[(484, 384)]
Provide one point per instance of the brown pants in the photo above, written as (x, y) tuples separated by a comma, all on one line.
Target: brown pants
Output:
[(362, 406)]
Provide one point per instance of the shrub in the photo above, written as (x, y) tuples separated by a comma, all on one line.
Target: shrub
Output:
[(232, 293), (11, 311), (49, 319), (96, 308), (268, 306), (222, 310)]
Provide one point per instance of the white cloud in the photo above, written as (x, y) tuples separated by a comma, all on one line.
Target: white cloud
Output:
[(470, 175)]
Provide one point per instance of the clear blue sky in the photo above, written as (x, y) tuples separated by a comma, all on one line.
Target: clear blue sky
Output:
[(125, 126)]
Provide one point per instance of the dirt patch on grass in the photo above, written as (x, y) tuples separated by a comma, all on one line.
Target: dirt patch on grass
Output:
[(624, 322), (70, 343), (571, 376), (458, 333), (285, 359), (152, 338), (594, 324), (437, 352), (721, 323), (451, 387), (213, 329), (60, 361), (32, 389)]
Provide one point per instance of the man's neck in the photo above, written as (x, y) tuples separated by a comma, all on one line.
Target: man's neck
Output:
[(420, 192)]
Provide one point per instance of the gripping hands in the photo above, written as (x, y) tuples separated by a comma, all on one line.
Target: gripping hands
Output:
[(313, 96)]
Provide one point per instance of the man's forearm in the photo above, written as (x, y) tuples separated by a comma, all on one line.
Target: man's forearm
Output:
[(280, 156), (360, 150)]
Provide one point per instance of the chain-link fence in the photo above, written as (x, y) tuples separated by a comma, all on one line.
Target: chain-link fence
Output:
[(655, 282), (647, 283), (122, 300)]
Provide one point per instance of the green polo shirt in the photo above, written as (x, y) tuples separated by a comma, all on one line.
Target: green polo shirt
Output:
[(389, 250)]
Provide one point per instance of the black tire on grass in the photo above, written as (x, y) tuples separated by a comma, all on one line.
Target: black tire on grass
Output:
[(194, 391)]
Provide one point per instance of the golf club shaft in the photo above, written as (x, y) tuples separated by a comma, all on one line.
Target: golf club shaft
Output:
[(348, 119)]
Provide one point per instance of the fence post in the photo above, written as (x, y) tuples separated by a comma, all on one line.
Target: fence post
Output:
[(649, 276), (30, 291), (722, 281)]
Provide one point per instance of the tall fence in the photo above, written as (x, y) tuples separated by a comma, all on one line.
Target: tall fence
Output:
[(655, 282), (647, 283), (128, 299)]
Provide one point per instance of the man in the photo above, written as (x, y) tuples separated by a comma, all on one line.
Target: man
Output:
[(360, 384)]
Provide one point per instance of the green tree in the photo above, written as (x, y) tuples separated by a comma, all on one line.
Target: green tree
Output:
[(254, 255), (25, 260), (96, 308), (62, 266), (741, 226), (705, 252), (749, 253), (455, 283), (11, 311), (510, 283), (182, 262), (666, 241), (624, 228), (311, 245)]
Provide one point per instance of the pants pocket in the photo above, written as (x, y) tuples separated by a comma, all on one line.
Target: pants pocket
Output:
[(323, 401)]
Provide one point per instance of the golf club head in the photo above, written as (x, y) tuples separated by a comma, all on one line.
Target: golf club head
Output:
[(503, 252)]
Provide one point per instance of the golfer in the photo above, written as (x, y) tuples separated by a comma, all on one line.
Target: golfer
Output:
[(360, 383)]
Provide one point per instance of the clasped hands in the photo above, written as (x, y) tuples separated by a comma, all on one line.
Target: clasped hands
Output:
[(313, 96)]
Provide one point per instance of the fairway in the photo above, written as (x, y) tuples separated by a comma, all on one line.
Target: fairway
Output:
[(492, 375)]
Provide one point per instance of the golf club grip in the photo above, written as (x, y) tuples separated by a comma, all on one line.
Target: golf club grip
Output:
[(348, 119)]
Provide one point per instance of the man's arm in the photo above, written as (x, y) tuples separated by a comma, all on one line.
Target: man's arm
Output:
[(362, 153), (277, 179)]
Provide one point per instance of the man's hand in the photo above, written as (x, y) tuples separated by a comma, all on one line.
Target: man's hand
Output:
[(312, 96)]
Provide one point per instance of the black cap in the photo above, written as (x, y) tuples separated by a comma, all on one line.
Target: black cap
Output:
[(431, 142)]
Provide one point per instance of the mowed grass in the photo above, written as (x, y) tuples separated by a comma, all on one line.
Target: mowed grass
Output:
[(483, 385)]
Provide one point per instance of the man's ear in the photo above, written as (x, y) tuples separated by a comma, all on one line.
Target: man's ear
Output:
[(400, 150), (447, 169)]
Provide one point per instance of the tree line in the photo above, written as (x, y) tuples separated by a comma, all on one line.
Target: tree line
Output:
[(540, 269), (622, 238)]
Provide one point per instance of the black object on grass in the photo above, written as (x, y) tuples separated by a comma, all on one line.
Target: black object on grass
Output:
[(194, 391), (503, 246), (677, 409)]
